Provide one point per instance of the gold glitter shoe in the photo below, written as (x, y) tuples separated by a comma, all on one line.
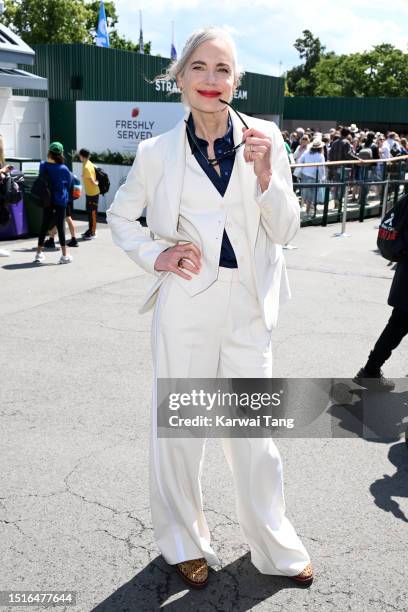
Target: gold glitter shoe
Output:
[(194, 572), (305, 577)]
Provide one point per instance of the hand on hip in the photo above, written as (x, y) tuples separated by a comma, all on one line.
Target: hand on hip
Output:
[(178, 258)]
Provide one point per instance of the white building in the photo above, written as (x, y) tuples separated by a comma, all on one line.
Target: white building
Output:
[(24, 120)]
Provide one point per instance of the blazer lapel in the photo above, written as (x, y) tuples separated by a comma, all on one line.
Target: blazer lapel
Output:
[(174, 168), (247, 180)]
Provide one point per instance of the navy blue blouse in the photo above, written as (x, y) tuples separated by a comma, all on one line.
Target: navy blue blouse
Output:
[(220, 182)]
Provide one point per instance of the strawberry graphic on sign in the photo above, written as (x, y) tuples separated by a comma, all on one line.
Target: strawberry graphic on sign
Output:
[(135, 112)]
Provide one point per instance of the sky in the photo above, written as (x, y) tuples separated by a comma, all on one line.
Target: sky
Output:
[(265, 30)]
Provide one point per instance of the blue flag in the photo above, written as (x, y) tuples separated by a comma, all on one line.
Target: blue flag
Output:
[(173, 52), (102, 36)]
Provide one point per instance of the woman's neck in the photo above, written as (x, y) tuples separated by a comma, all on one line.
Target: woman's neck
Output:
[(210, 126)]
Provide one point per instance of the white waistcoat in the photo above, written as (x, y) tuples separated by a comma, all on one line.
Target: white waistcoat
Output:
[(211, 210)]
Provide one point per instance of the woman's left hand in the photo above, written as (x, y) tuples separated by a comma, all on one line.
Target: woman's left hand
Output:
[(257, 149)]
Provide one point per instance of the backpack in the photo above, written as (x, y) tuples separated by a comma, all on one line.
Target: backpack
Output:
[(103, 180), (395, 151), (10, 190), (76, 189), (392, 239), (41, 190), (366, 152)]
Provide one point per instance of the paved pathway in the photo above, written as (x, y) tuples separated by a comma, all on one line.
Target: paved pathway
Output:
[(75, 392)]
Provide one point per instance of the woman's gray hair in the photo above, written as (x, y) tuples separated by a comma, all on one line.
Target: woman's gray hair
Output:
[(197, 38)]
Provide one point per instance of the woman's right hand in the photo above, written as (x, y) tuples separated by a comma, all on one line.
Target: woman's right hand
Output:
[(178, 258)]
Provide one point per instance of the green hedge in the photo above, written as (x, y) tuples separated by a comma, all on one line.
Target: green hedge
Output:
[(108, 157)]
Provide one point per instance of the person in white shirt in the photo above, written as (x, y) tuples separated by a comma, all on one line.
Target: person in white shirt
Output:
[(392, 144), (313, 174)]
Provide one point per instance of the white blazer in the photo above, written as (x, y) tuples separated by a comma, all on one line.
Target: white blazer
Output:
[(155, 181)]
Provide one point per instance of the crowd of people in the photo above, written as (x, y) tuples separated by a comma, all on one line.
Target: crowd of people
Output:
[(304, 146), (381, 145), (344, 143)]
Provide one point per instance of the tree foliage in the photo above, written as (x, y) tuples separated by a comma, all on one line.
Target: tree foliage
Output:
[(63, 21), (47, 21), (301, 80), (381, 71)]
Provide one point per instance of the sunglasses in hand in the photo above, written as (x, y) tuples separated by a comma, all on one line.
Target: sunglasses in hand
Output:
[(216, 160)]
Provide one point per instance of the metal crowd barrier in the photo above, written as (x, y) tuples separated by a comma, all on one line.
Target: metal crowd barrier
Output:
[(388, 182)]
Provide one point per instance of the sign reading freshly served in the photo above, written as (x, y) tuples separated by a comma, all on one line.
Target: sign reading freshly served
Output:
[(121, 126)]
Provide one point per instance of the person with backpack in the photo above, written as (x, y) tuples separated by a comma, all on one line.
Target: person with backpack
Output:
[(369, 150), (57, 182), (392, 335), (91, 186), (392, 144), (394, 231), (74, 194), (340, 150)]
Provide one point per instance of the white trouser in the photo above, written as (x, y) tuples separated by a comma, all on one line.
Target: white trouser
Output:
[(218, 333)]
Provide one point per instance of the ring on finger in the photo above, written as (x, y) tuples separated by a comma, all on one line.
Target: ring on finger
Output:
[(180, 262)]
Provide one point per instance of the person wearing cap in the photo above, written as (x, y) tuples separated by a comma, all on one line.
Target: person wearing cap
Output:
[(60, 181)]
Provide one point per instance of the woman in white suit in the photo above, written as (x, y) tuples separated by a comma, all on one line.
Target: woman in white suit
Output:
[(220, 205)]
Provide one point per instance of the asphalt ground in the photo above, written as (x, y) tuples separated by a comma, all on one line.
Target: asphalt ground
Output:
[(75, 398)]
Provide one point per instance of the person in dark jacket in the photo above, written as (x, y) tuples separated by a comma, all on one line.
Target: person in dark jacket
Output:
[(60, 179), (340, 150), (394, 332)]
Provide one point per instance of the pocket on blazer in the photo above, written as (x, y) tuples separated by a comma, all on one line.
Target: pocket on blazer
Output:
[(152, 293)]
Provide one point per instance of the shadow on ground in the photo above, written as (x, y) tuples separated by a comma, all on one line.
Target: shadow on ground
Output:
[(237, 587)]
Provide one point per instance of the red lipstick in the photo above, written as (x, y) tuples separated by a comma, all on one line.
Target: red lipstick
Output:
[(209, 94)]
